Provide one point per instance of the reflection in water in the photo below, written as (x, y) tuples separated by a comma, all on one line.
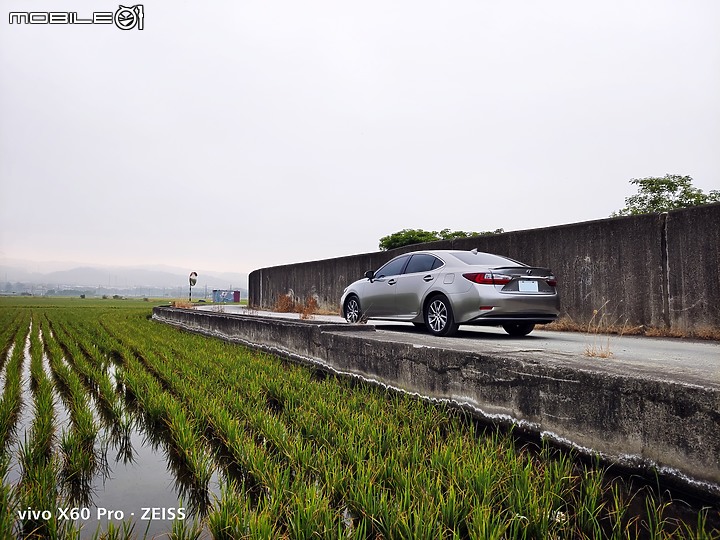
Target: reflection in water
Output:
[(22, 411), (117, 424), (121, 441), (191, 488), (119, 460), (82, 462)]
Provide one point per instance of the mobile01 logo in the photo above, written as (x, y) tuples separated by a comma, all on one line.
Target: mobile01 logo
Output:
[(125, 18)]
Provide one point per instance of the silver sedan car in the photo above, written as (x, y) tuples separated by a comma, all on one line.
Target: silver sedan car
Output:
[(443, 289)]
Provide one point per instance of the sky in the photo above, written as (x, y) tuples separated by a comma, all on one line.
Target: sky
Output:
[(234, 135)]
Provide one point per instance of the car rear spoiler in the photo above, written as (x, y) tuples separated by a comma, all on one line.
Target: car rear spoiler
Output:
[(519, 271)]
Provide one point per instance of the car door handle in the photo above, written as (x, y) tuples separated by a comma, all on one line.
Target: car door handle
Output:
[(392, 282), (428, 278)]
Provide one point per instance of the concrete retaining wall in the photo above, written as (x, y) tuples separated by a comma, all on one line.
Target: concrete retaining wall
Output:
[(638, 421), (657, 270), (693, 295)]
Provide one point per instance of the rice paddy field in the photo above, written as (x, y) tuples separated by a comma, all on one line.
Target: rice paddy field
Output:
[(116, 426)]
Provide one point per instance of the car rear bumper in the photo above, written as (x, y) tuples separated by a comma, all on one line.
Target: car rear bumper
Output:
[(497, 320), (501, 308)]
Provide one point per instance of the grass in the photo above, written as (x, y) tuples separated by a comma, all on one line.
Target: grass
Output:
[(298, 455)]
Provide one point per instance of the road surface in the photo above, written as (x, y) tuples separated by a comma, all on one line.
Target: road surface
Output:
[(688, 361)]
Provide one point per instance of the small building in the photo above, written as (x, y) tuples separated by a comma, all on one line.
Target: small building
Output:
[(223, 295)]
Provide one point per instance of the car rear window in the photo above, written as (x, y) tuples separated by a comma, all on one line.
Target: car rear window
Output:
[(484, 259), (422, 262)]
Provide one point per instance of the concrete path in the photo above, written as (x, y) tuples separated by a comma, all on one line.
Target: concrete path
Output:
[(693, 362), (653, 404)]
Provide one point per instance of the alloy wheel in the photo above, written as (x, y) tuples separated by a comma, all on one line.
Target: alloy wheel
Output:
[(352, 310), (437, 315)]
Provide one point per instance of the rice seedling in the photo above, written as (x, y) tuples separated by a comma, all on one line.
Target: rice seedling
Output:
[(37, 491), (487, 524), (8, 502), (38, 494), (10, 322), (84, 359), (233, 517), (124, 531), (699, 528), (187, 529), (620, 526), (77, 447), (12, 393), (656, 523), (44, 426), (591, 502), (311, 515), (166, 418), (302, 455), (42, 433)]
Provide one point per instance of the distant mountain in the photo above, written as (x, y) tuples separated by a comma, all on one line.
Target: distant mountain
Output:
[(119, 276)]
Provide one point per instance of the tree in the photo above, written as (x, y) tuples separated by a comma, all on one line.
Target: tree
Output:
[(408, 237), (670, 192), (446, 234)]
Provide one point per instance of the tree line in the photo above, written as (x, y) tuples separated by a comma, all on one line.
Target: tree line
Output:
[(655, 195)]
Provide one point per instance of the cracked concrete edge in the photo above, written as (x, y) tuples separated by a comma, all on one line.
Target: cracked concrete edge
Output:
[(638, 423)]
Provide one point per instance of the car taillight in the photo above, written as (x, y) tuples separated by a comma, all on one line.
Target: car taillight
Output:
[(552, 281), (488, 278)]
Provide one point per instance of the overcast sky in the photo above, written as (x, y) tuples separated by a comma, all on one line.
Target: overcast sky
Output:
[(249, 133)]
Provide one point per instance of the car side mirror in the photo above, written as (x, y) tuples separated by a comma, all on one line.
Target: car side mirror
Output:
[(370, 274)]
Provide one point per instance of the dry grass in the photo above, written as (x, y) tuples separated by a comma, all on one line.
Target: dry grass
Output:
[(181, 304), (598, 329), (306, 309), (702, 332), (309, 308), (599, 350), (566, 324), (284, 304)]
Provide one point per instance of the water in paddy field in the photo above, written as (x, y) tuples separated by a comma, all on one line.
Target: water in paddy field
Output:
[(142, 485), (135, 480), (26, 411), (8, 355)]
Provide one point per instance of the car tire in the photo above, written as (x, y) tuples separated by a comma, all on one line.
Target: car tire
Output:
[(351, 310), (519, 329), (439, 318)]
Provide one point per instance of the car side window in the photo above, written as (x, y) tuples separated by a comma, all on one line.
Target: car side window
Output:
[(393, 268), (422, 262)]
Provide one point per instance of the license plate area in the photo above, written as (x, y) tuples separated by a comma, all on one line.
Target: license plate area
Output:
[(528, 286)]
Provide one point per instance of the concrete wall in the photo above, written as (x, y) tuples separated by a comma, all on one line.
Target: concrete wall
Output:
[(657, 270), (693, 240), (639, 420)]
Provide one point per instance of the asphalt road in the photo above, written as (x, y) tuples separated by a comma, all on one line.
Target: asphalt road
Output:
[(685, 361)]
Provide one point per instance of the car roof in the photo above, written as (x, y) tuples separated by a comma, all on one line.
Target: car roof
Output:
[(440, 252), (450, 251)]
